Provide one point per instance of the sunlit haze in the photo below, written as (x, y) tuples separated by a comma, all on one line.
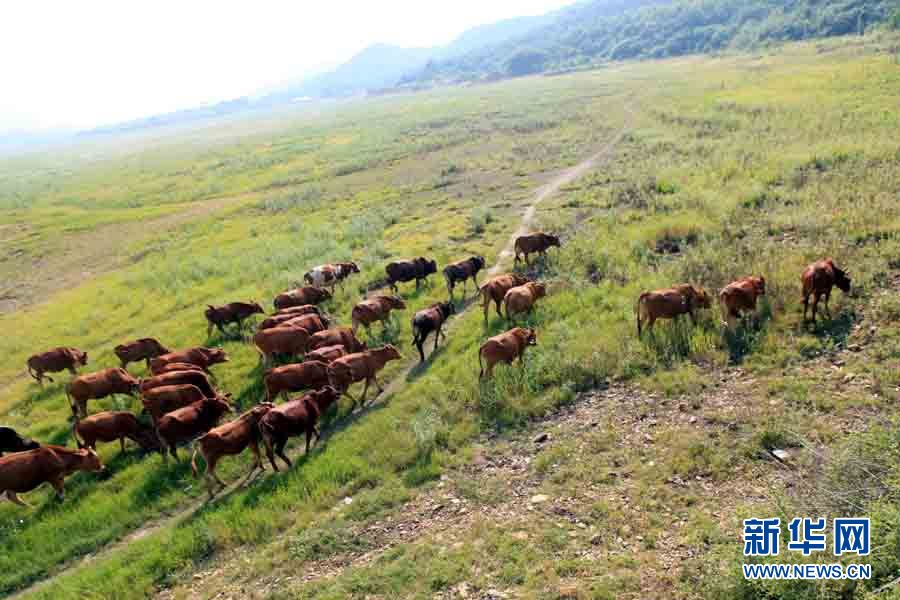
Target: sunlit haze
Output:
[(81, 64)]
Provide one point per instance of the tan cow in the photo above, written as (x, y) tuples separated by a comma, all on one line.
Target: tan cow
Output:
[(185, 423), (505, 347), (196, 378), (817, 280), (299, 416), (200, 356), (164, 399), (495, 288), (311, 323), (326, 354), (94, 386), (362, 366), (670, 303), (303, 309), (538, 242), (343, 336), (139, 350), (284, 339), (522, 298), (24, 471), (228, 440), (295, 378), (374, 309), (740, 296), (301, 296), (53, 361), (111, 426)]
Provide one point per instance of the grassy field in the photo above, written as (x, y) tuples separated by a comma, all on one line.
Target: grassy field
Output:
[(750, 164)]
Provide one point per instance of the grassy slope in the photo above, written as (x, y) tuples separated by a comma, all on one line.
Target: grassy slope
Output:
[(394, 178), (754, 164)]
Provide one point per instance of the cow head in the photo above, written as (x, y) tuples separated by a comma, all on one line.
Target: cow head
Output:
[(78, 357), (210, 312), (478, 261), (701, 298), (214, 356), (159, 347), (446, 308), (538, 290), (90, 460), (324, 397), (127, 380), (390, 352), (430, 266), (348, 268), (841, 280), (518, 279), (219, 405), (259, 411), (324, 294), (530, 336), (395, 302), (256, 308), (552, 240), (759, 283), (27, 444)]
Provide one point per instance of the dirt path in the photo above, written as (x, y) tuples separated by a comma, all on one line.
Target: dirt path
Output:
[(397, 383)]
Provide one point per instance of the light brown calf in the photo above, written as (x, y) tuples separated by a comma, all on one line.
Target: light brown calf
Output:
[(505, 347)]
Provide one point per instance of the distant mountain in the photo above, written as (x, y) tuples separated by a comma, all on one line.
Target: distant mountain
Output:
[(602, 30), (383, 66)]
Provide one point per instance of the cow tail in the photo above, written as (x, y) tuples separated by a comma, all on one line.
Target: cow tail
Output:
[(480, 365), (637, 311)]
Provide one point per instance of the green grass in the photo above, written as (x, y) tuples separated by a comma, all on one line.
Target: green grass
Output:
[(752, 164)]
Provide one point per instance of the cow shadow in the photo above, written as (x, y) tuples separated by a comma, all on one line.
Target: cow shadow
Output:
[(671, 340), (541, 267), (746, 336), (421, 368), (833, 331)]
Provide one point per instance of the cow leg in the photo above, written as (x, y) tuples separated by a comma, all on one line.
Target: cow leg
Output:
[(279, 450), (174, 452), (437, 336), (270, 454), (309, 433), (59, 485), (815, 307), (122, 445), (12, 497), (497, 304), (365, 392), (419, 344), (827, 298), (805, 305)]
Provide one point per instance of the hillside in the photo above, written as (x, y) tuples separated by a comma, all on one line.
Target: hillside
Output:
[(604, 465), (607, 30)]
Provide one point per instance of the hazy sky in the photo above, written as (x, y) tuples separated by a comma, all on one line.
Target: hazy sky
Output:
[(79, 63)]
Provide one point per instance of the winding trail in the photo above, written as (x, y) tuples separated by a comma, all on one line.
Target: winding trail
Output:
[(399, 381)]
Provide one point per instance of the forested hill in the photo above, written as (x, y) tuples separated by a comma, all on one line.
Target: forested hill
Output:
[(603, 30)]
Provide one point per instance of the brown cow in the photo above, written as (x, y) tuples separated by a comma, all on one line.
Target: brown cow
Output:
[(374, 309), (407, 270), (285, 339), (138, 350), (164, 399), (343, 336), (227, 440), (111, 426), (94, 386), (233, 312), (173, 367), (301, 296), (311, 323), (278, 319), (505, 347), (462, 271), (739, 296), (670, 303), (494, 289), (326, 354), (521, 299), (817, 280), (362, 366), (329, 275), (538, 242), (53, 361), (200, 356), (295, 378), (185, 423), (196, 378), (430, 320), (23, 471), (299, 416), (303, 309)]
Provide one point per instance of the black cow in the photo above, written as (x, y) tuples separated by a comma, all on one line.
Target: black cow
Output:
[(11, 441), (430, 320), (407, 270)]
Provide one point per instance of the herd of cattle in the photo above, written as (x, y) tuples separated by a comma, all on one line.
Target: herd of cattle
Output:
[(182, 403)]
